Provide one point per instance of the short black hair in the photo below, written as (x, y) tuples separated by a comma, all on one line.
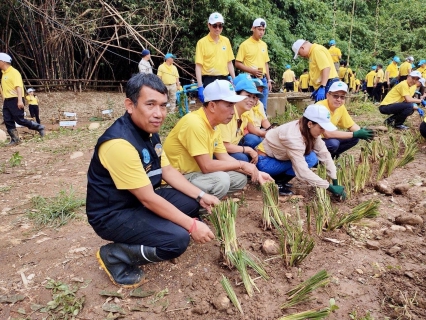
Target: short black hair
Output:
[(137, 81), (305, 70)]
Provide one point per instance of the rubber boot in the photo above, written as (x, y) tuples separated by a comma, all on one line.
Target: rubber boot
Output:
[(38, 127), (14, 137), (120, 261), (284, 187)]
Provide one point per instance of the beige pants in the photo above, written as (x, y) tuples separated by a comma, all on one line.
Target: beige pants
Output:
[(172, 88)]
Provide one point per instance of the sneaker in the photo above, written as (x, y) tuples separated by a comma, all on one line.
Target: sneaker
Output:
[(390, 121), (401, 127), (41, 131), (284, 190)]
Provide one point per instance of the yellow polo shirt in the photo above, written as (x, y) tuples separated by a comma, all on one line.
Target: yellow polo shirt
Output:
[(214, 57), (304, 81), (319, 59), (344, 74), (340, 117), (288, 75), (10, 80), (192, 136), (335, 53), (404, 68), (169, 74), (422, 70), (123, 163), (392, 69), (370, 78), (230, 132), (253, 53), (256, 115), (380, 76), (32, 100), (296, 86), (398, 93)]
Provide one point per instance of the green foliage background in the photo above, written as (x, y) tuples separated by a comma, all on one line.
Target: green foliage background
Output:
[(400, 25)]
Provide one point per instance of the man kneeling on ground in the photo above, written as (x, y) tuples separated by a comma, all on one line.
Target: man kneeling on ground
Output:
[(337, 141), (195, 146), (124, 202)]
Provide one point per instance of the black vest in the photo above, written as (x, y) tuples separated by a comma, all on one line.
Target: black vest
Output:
[(103, 198)]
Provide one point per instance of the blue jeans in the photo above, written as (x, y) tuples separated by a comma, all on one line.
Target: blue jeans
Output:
[(250, 140), (275, 167), (337, 146), (265, 93)]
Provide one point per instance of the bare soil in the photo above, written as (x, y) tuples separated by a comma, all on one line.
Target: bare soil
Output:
[(390, 284)]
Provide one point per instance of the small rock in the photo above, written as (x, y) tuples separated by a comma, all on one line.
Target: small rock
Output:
[(397, 228), (76, 155), (221, 303), (94, 126), (369, 223), (401, 188), (372, 245), (411, 219), (289, 275), (270, 247), (3, 136), (383, 187), (393, 250), (409, 228), (361, 280), (409, 275), (359, 271), (202, 308)]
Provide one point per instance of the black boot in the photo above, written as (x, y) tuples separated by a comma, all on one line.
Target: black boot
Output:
[(38, 127), (284, 187), (14, 137), (120, 261)]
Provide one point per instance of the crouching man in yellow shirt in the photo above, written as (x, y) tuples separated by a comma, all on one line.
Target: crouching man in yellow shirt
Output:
[(338, 141)]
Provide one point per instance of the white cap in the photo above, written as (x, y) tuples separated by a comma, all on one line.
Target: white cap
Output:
[(296, 47), (221, 90), (319, 114), (216, 17), (422, 81), (415, 74), (30, 90), (5, 57), (338, 86), (258, 23), (410, 58)]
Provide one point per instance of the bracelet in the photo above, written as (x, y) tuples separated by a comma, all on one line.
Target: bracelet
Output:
[(193, 227), (244, 150)]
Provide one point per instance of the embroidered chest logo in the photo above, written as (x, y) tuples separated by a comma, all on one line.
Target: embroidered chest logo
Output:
[(146, 157), (158, 149), (224, 48)]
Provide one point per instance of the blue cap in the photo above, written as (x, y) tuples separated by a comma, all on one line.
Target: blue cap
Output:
[(248, 86), (423, 61), (413, 65), (396, 59), (145, 52), (373, 67), (241, 76), (169, 55), (259, 83), (287, 66), (332, 42)]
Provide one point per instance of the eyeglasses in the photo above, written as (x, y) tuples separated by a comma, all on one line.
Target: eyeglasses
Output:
[(217, 25), (336, 96)]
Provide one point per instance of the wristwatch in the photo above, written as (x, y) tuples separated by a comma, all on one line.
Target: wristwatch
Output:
[(202, 193)]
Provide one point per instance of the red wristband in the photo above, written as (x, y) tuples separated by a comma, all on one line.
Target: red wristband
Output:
[(193, 227)]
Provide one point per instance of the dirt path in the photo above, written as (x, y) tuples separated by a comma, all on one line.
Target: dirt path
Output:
[(388, 282)]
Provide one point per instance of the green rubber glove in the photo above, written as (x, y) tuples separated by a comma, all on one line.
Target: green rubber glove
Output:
[(335, 183), (365, 134), (337, 190)]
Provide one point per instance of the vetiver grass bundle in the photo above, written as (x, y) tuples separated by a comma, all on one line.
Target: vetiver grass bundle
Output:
[(231, 293), (367, 209), (302, 292), (410, 144), (362, 171), (295, 244), (270, 204), (223, 217), (313, 314)]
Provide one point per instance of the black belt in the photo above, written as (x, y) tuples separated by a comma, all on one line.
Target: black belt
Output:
[(254, 77), (9, 99)]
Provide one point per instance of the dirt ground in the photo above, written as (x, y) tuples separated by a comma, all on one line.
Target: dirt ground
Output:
[(388, 282)]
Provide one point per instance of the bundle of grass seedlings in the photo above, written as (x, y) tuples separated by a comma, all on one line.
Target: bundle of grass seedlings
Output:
[(223, 218), (295, 243), (270, 204), (410, 149), (313, 314), (231, 293), (302, 292), (367, 209)]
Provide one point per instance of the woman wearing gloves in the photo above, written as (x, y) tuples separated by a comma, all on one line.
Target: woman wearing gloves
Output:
[(293, 148), (336, 141)]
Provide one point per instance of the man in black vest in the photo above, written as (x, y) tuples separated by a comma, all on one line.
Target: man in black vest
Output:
[(124, 202)]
